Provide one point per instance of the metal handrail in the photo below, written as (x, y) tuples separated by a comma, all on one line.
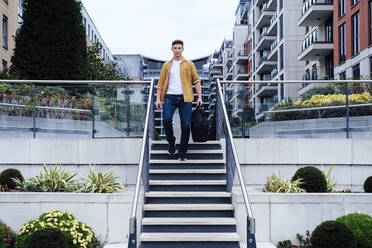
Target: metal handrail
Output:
[(73, 82), (295, 81), (251, 220), (133, 222)]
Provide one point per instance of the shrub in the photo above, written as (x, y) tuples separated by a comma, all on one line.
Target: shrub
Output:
[(304, 242), (100, 183), (46, 238), (7, 237), (77, 234), (368, 185), (6, 178), (331, 185), (54, 180), (361, 226), (284, 244), (332, 234), (312, 178), (277, 184)]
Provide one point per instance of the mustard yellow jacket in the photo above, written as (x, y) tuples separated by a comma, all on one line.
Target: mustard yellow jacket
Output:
[(189, 76)]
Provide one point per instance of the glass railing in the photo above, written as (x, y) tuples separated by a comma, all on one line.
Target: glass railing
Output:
[(328, 109), (309, 3), (72, 109)]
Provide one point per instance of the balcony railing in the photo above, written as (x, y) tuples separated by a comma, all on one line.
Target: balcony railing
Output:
[(313, 38), (309, 3), (263, 33), (274, 73), (273, 18)]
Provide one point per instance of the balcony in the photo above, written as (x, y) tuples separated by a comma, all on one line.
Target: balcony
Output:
[(217, 76), (273, 28), (265, 40), (229, 59), (217, 65), (274, 73), (265, 66), (267, 90), (265, 17), (242, 57), (314, 49), (315, 12), (273, 55), (272, 5), (242, 74)]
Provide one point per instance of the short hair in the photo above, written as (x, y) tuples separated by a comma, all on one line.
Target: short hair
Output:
[(175, 42)]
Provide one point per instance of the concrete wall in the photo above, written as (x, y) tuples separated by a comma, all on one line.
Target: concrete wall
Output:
[(351, 158), (281, 216), (107, 214)]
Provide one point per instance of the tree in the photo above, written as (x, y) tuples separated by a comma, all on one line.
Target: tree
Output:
[(51, 43), (97, 69)]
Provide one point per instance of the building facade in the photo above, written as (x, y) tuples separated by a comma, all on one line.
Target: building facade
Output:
[(317, 46), (353, 38)]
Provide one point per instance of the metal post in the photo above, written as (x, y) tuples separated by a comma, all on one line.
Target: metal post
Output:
[(347, 113), (34, 112), (94, 113), (251, 238), (132, 243), (217, 112), (243, 122)]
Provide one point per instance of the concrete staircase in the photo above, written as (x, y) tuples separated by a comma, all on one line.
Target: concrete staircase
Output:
[(188, 204)]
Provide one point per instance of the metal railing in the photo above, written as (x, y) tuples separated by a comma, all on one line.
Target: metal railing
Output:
[(346, 87), (309, 3), (232, 161), (66, 107), (143, 167)]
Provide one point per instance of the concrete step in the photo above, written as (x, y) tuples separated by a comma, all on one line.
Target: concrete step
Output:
[(187, 207), (164, 142), (189, 152), (125, 245), (189, 221), (188, 171), (189, 161), (187, 182), (187, 194), (189, 237)]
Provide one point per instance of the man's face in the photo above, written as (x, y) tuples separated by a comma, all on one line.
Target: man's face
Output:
[(177, 50)]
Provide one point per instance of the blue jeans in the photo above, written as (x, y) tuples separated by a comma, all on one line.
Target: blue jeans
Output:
[(172, 102)]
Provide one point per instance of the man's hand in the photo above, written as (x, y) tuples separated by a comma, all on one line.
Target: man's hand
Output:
[(199, 102), (158, 104)]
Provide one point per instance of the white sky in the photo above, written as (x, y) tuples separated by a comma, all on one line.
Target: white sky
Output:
[(148, 27)]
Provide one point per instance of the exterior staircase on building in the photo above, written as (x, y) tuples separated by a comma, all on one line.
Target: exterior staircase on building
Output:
[(188, 204)]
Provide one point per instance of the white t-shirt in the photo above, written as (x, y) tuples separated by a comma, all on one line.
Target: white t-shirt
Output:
[(175, 84)]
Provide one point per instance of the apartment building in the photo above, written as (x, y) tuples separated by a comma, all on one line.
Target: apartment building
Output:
[(274, 41), (352, 38), (11, 12), (93, 36), (317, 46)]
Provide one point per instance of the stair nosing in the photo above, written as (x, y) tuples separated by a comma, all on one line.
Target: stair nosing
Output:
[(189, 161), (187, 182), (187, 171), (187, 194), (201, 237), (148, 221), (190, 152), (164, 142), (188, 207)]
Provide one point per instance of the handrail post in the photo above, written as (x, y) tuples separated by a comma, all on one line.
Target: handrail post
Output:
[(347, 112), (34, 111), (132, 242)]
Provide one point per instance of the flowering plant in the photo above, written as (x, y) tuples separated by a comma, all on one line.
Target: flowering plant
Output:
[(7, 237), (323, 100), (78, 234)]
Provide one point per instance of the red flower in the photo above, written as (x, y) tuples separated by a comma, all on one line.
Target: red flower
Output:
[(9, 240)]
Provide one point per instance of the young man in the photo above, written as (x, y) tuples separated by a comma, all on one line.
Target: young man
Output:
[(175, 89)]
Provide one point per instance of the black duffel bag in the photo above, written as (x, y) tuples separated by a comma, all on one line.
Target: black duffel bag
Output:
[(199, 125)]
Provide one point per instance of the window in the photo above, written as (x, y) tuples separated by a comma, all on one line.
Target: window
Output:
[(281, 27), (356, 72), (342, 43), (329, 67), (281, 54), (370, 67), (341, 8), (5, 64), (280, 5), (355, 35), (89, 31), (5, 32), (370, 21), (353, 2), (20, 13), (85, 23)]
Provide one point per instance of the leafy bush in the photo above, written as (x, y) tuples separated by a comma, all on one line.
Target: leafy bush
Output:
[(284, 244), (7, 237), (325, 100), (304, 241), (77, 234), (278, 184), (46, 238), (332, 234), (6, 178), (55, 179), (361, 226), (312, 178), (100, 183), (368, 185), (331, 186)]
